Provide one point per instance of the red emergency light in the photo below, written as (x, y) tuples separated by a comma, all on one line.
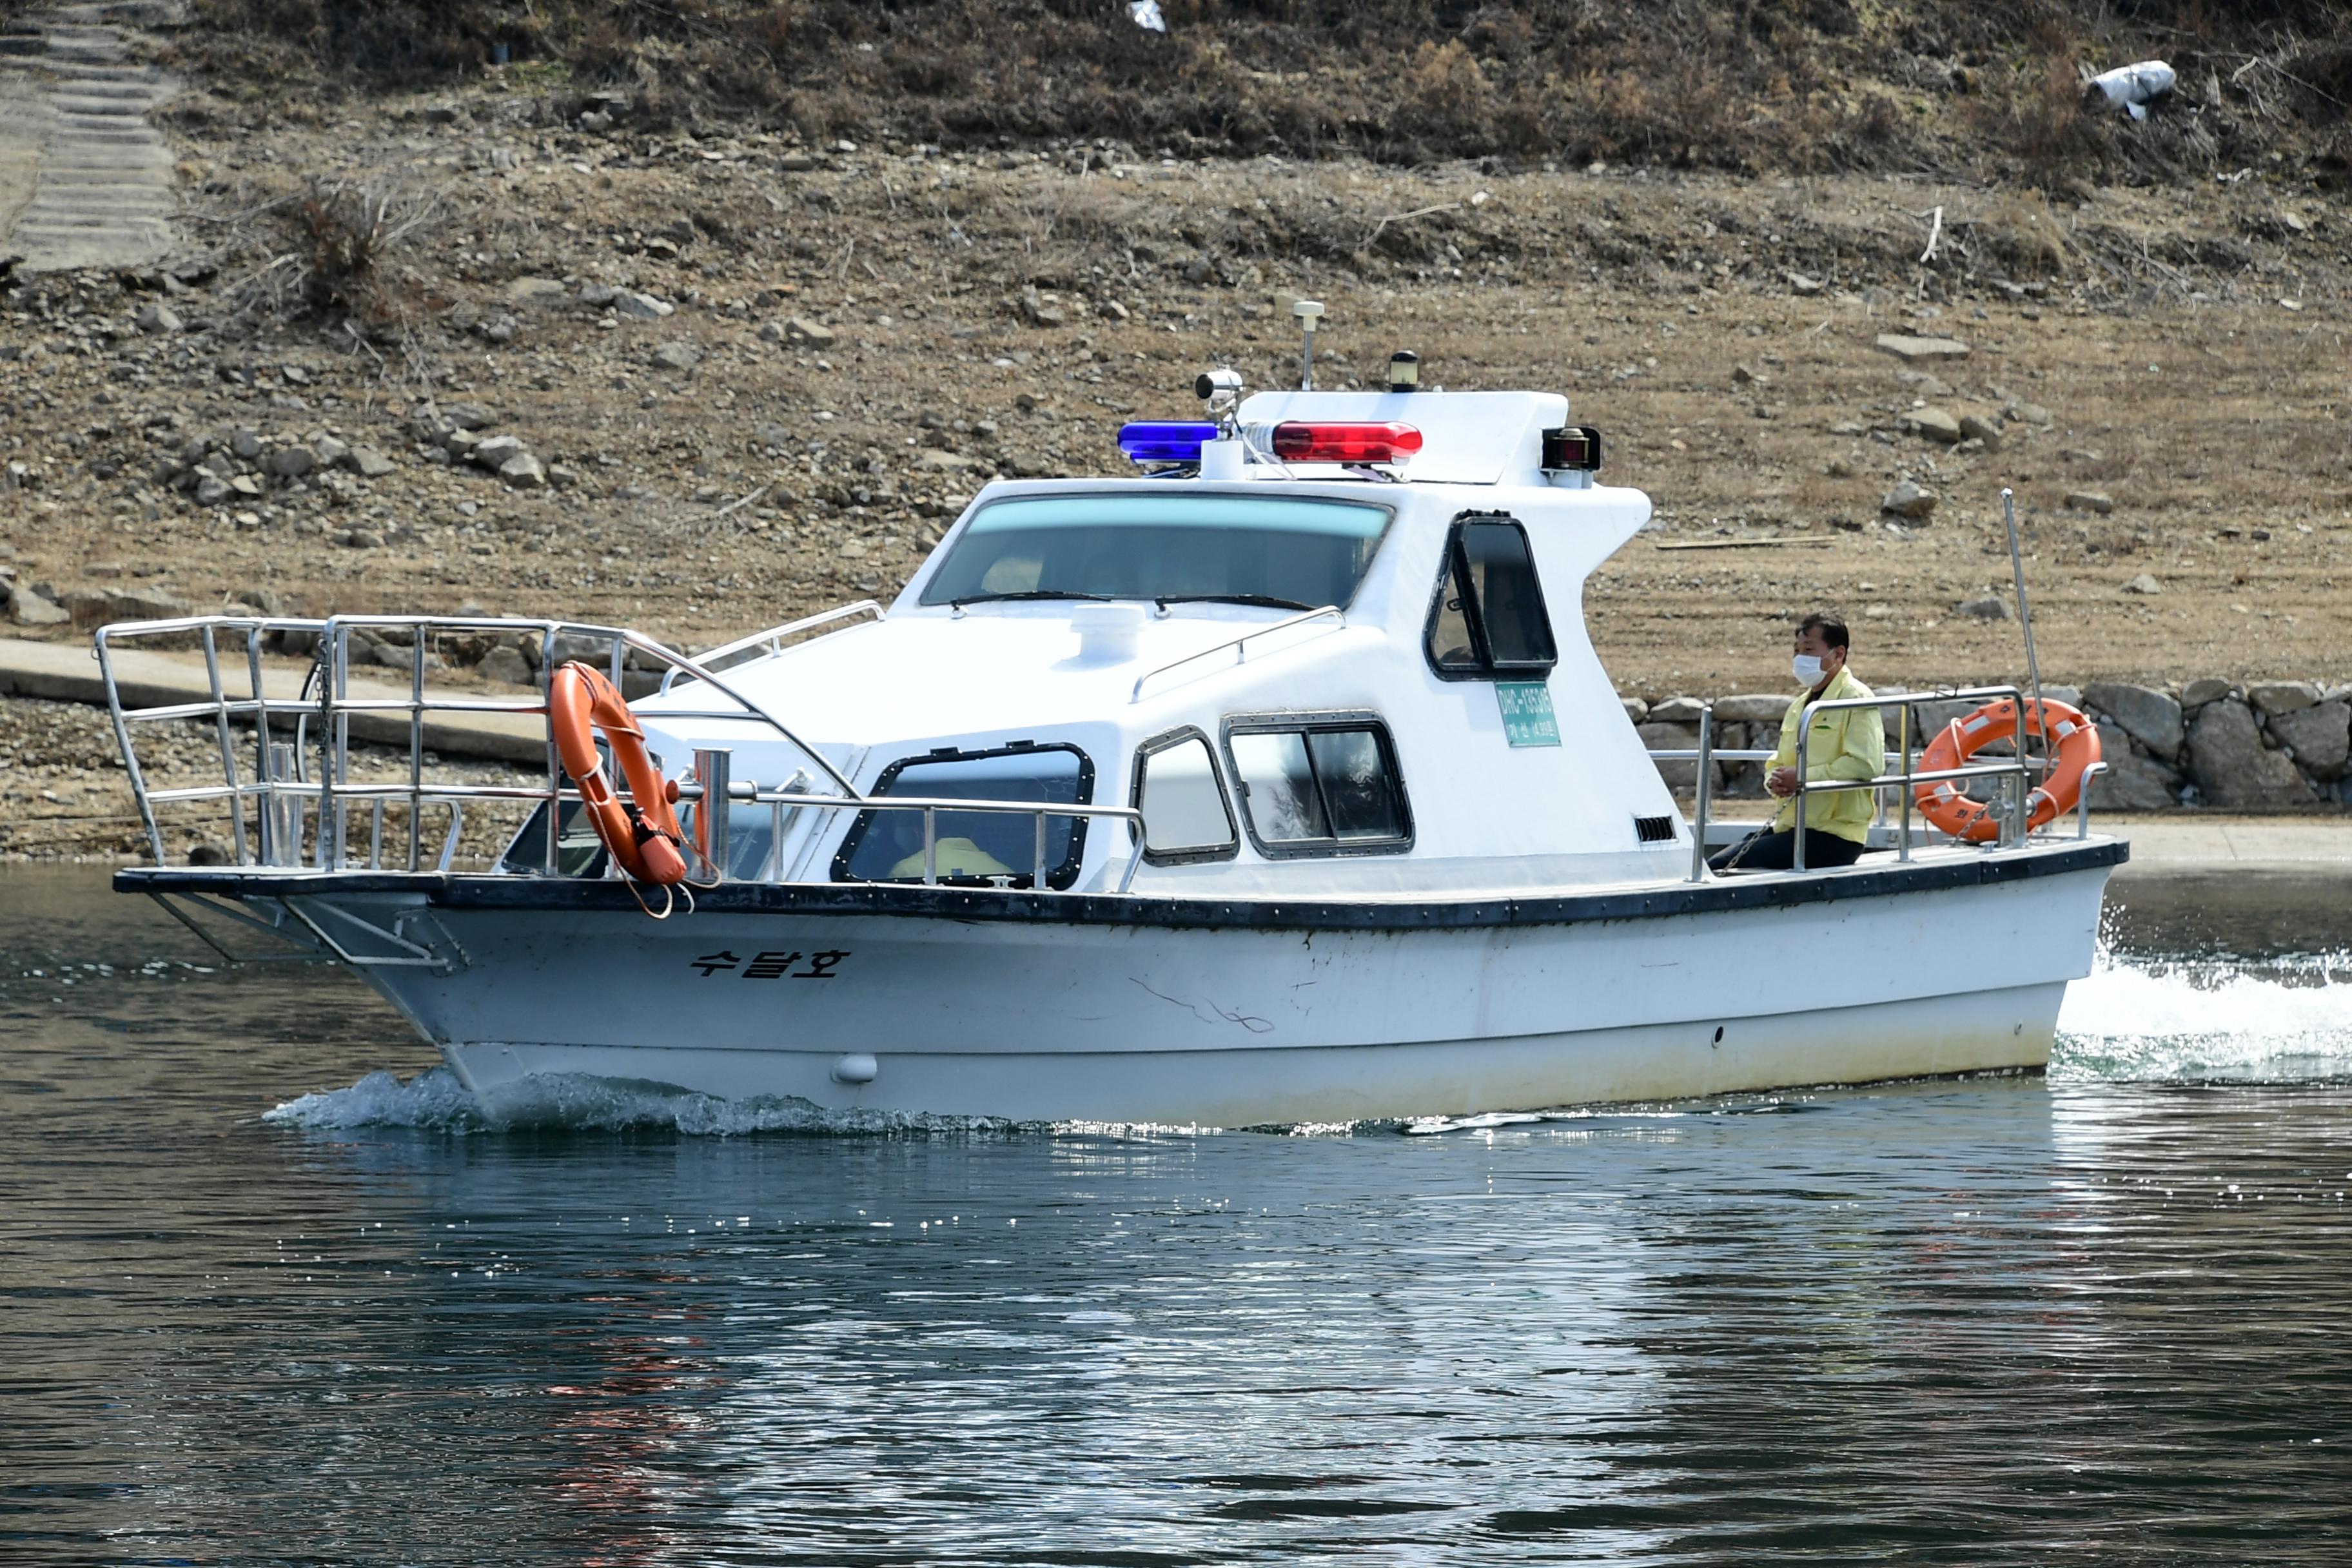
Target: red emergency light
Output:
[(1574, 448), (1324, 441)]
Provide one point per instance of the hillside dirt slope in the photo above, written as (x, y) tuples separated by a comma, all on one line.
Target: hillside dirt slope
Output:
[(756, 372)]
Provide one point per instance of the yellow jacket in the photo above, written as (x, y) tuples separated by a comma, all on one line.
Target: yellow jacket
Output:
[(1846, 743)]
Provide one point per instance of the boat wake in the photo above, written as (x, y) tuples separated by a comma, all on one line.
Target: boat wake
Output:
[(2148, 1020), (2132, 1020), (434, 1101)]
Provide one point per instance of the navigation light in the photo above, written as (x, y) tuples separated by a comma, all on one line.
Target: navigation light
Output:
[(1574, 448)]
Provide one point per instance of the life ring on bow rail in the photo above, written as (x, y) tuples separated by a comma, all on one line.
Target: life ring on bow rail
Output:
[(642, 832), (2072, 741)]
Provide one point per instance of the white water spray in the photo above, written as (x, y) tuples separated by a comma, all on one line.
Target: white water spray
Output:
[(2158, 1020), (434, 1100)]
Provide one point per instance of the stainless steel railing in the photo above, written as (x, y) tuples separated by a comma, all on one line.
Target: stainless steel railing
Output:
[(323, 714), (772, 641), (303, 723), (2016, 771), (785, 801), (1238, 646)]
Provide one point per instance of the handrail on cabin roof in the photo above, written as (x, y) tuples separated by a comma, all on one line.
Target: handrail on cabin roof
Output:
[(1237, 643)]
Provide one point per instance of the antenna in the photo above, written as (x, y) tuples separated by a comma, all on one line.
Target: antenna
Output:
[(2024, 611), (1309, 312)]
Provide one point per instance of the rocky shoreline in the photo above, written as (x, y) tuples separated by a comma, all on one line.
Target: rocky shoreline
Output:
[(2250, 746)]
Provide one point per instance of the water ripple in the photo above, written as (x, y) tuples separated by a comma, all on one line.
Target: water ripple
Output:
[(2087, 1320)]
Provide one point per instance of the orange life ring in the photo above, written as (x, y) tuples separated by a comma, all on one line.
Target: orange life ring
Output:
[(642, 832), (2072, 740)]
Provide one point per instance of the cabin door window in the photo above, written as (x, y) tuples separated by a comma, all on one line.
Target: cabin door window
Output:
[(1320, 785), (1489, 621)]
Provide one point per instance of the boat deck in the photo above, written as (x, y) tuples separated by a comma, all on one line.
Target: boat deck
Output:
[(1875, 875)]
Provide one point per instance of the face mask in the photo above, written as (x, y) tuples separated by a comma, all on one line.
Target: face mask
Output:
[(1806, 668)]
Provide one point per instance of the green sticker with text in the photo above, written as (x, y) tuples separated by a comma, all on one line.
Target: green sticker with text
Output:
[(1528, 718)]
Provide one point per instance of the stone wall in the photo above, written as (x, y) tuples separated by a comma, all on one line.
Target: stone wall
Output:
[(2261, 746)]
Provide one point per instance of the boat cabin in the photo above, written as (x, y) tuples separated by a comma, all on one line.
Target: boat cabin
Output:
[(1334, 643)]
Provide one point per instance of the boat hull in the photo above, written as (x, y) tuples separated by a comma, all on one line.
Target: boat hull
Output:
[(2009, 1029), (1230, 1015)]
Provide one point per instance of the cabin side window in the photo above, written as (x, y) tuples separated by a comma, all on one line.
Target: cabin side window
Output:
[(1185, 817), (974, 849), (1318, 784), (1489, 621)]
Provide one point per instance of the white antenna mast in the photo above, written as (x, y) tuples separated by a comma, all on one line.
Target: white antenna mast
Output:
[(2024, 614), (1309, 312)]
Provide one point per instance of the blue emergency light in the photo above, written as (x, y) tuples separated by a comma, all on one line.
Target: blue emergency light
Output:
[(1165, 441)]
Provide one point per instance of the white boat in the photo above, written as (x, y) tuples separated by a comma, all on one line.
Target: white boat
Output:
[(1304, 799)]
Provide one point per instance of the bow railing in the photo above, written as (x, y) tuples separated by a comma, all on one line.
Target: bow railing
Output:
[(290, 707)]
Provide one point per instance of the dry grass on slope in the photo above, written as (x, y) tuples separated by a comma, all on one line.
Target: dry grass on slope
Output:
[(1984, 90)]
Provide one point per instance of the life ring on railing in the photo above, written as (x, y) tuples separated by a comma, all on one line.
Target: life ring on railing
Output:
[(2072, 739), (642, 832)]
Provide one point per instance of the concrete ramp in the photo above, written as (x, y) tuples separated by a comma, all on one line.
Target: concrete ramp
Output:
[(85, 178)]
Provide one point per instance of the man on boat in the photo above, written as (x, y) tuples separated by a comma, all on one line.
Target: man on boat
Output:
[(1846, 743)]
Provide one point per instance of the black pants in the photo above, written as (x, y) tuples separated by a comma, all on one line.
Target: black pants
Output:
[(1777, 852)]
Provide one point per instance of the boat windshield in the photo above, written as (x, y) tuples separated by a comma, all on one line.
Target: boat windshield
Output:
[(1246, 549)]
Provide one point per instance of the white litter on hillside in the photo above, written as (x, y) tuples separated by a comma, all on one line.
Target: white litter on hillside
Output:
[(2133, 87)]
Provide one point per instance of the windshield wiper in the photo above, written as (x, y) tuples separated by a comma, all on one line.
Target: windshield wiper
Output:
[(1264, 601), (1024, 593)]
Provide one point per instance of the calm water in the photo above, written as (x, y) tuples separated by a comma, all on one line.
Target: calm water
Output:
[(2106, 1318)]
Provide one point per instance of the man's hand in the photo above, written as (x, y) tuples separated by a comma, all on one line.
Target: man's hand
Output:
[(1781, 782)]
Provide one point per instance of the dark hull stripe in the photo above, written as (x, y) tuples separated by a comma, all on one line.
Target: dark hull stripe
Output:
[(520, 894)]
